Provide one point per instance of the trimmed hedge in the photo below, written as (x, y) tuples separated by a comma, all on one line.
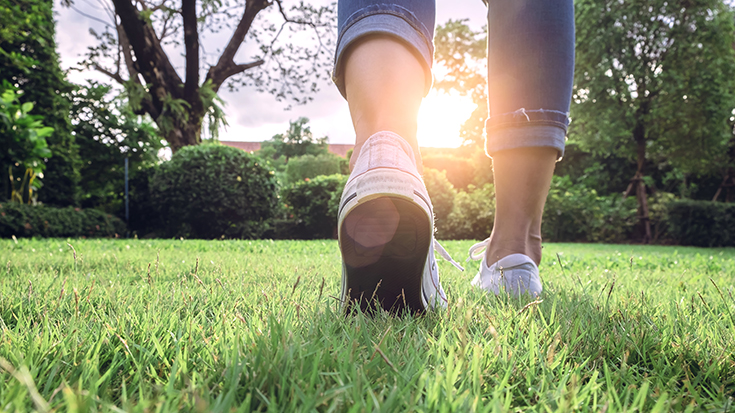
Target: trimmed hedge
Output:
[(310, 166), (472, 216), (314, 204), (702, 223), (44, 221), (574, 213), (214, 191)]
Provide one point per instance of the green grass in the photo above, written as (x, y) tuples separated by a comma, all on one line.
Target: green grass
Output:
[(138, 325)]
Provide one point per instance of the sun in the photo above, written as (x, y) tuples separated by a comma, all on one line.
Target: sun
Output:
[(440, 118)]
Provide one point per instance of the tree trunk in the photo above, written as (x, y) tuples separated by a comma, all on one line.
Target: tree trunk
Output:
[(727, 182), (728, 174), (719, 188), (643, 210), (637, 184), (184, 133)]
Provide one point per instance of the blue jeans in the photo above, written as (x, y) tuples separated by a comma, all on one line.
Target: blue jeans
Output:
[(530, 61)]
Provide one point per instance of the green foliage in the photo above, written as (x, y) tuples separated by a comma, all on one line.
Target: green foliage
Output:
[(577, 213), (213, 191), (137, 93), (107, 132), (297, 141), (25, 144), (45, 221), (17, 26), (29, 61), (472, 216), (658, 205), (654, 76), (144, 220), (465, 165), (702, 223), (175, 113), (213, 109), (311, 166), (441, 193), (459, 170), (573, 212), (460, 55), (601, 171), (314, 205)]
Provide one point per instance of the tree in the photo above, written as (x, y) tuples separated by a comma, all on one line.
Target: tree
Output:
[(28, 60), (297, 141), (460, 54), (107, 132), (653, 83), (135, 52)]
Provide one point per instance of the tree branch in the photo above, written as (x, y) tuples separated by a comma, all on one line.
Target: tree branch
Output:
[(235, 69), (151, 60), (89, 16), (164, 27), (225, 65), (127, 54), (289, 20), (114, 76)]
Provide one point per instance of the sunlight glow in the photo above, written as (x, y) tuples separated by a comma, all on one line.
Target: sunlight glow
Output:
[(440, 118)]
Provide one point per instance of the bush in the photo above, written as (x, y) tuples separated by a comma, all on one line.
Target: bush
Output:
[(577, 213), (472, 216), (314, 205), (702, 223), (213, 191), (311, 166), (45, 221), (442, 195), (460, 171), (482, 168), (658, 212), (143, 216)]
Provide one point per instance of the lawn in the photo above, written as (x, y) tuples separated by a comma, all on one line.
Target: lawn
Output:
[(220, 326)]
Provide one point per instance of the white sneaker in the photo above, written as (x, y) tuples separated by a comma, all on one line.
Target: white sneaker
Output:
[(386, 231), (516, 274)]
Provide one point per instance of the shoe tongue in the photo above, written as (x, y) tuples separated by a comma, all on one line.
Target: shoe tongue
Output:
[(513, 260)]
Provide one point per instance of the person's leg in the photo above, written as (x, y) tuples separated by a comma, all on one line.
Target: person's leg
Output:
[(530, 71), (385, 222), (384, 55), (384, 86), (522, 178)]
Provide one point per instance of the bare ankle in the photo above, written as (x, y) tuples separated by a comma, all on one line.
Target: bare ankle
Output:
[(499, 248)]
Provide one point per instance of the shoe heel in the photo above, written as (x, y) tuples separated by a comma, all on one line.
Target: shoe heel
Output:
[(384, 243)]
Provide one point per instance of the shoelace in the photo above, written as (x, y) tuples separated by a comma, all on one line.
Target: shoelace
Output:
[(477, 249), (438, 248)]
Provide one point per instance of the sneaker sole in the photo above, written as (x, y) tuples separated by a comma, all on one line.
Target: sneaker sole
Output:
[(388, 272)]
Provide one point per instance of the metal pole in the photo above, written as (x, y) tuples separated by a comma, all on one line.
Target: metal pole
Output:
[(127, 198)]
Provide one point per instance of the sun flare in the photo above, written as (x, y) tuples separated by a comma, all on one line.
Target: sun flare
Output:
[(440, 118)]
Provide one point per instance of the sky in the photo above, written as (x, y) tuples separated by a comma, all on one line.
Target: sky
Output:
[(254, 116)]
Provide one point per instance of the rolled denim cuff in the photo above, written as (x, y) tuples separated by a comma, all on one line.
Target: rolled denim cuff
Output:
[(527, 129), (386, 19)]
